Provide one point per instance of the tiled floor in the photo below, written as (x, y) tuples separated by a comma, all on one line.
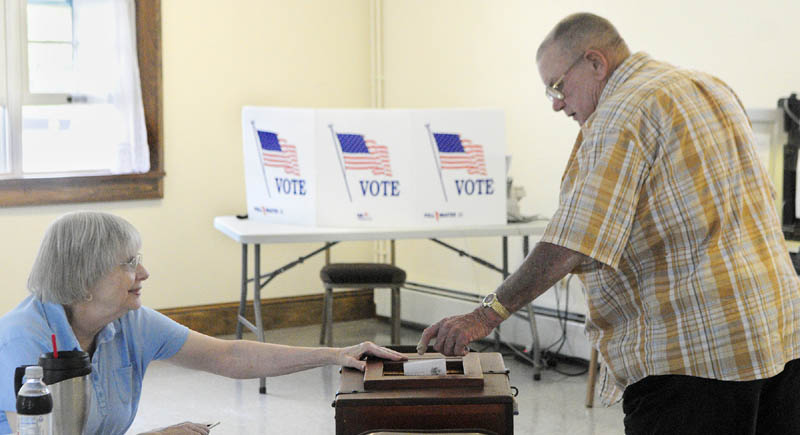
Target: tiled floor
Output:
[(301, 403)]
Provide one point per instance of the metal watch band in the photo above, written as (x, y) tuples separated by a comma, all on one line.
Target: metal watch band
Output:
[(495, 305)]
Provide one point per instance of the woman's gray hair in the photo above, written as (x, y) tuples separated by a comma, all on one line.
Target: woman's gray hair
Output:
[(77, 250)]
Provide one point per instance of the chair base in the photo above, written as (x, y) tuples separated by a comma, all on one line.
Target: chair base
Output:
[(326, 333)]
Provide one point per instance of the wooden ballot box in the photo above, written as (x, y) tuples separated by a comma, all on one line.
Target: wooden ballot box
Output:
[(474, 396)]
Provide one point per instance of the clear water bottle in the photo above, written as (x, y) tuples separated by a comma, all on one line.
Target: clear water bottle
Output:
[(34, 405)]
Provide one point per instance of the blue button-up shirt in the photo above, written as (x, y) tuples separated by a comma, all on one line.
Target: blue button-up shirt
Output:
[(124, 349)]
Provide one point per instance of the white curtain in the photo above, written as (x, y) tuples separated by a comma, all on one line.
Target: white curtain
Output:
[(107, 73)]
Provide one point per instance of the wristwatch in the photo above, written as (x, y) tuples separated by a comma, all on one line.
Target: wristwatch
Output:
[(490, 301)]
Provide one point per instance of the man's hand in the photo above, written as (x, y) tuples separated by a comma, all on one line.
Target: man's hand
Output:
[(453, 334), (351, 356)]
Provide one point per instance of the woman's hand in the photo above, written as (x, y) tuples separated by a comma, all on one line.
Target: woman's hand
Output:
[(186, 427), (351, 356)]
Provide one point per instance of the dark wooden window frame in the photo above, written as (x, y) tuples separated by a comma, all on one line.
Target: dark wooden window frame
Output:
[(39, 191)]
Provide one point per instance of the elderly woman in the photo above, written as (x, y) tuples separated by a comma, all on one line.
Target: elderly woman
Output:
[(87, 284)]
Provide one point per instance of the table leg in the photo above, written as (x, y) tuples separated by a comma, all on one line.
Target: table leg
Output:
[(505, 275), (262, 385), (243, 298), (396, 316), (258, 328), (328, 327), (536, 349)]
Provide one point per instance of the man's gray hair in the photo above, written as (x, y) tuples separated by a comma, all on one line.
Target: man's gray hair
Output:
[(77, 250), (582, 31)]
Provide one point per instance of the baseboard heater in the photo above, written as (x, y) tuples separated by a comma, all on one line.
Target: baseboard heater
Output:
[(471, 297)]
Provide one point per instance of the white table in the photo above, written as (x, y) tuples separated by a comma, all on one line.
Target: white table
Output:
[(257, 232)]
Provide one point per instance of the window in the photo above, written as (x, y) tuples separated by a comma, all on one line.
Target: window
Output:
[(57, 123)]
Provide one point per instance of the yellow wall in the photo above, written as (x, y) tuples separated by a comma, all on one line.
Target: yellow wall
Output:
[(453, 53), (219, 56)]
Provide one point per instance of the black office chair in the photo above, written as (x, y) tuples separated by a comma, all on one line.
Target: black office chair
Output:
[(360, 275)]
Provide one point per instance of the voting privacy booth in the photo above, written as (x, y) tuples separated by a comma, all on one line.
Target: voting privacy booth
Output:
[(382, 168)]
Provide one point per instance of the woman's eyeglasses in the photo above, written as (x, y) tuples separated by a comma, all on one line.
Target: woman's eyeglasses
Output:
[(134, 262)]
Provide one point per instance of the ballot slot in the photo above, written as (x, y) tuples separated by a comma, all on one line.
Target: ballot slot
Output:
[(461, 372), (395, 368)]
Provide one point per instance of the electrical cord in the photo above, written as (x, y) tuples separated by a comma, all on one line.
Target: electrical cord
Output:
[(529, 360), (562, 320), (560, 340), (564, 329)]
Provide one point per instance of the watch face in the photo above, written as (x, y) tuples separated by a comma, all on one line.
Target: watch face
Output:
[(489, 299)]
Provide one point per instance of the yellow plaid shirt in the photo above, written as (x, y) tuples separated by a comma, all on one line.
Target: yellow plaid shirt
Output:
[(691, 273)]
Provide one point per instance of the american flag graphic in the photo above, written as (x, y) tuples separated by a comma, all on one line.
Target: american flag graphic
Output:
[(458, 153), (276, 153), (364, 154)]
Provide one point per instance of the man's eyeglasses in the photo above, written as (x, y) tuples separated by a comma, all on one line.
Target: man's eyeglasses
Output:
[(134, 262), (553, 92)]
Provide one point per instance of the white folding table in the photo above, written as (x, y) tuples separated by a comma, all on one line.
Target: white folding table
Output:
[(256, 232)]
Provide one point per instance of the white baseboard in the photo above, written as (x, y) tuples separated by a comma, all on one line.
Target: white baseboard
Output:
[(425, 309)]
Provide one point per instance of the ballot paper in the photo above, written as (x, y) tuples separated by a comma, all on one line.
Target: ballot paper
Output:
[(425, 367)]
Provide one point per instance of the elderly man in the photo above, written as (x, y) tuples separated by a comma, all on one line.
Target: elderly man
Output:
[(666, 214)]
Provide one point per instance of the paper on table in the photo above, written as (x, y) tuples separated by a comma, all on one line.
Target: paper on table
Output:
[(425, 367)]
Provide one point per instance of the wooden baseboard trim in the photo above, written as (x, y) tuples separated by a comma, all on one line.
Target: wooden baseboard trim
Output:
[(220, 319)]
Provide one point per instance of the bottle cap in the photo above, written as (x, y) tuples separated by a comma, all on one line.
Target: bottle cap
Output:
[(33, 372)]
